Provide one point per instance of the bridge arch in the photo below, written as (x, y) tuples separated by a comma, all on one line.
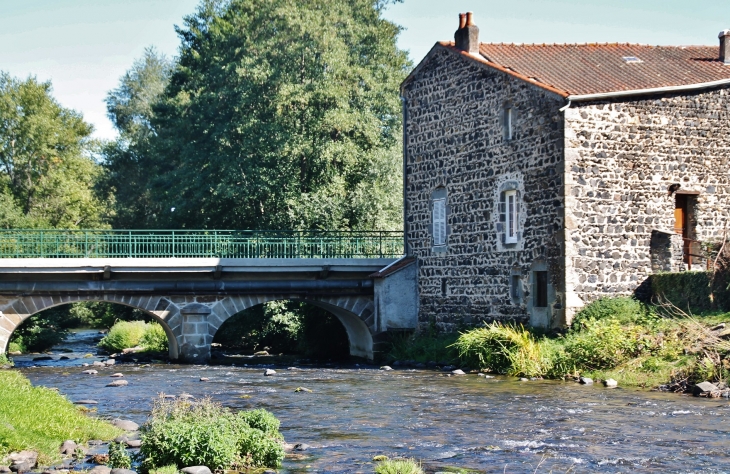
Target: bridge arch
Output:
[(356, 313), (13, 311)]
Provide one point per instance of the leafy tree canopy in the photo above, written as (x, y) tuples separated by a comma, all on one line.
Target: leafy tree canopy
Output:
[(278, 114), (47, 176)]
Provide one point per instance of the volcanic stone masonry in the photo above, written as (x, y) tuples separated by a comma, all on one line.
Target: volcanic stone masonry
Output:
[(593, 183)]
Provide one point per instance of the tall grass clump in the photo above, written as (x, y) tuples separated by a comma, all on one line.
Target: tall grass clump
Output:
[(126, 334), (423, 347), (40, 419), (398, 466), (184, 433), (505, 349)]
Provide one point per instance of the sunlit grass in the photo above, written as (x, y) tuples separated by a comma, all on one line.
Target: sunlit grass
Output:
[(398, 466), (40, 419)]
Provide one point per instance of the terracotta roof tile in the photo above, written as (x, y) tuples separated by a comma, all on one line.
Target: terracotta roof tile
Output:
[(581, 69)]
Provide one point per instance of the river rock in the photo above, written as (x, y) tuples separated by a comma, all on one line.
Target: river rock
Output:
[(41, 358), (610, 383), (64, 358), (133, 443), (457, 372), (185, 396), (96, 363), (448, 368), (100, 470), (196, 470), (90, 372), (386, 367), (204, 379), (122, 471), (117, 375), (86, 402), (118, 383), (302, 389), (125, 425), (300, 447), (110, 362), (23, 461), (524, 379), (586, 380), (4, 469), (269, 372), (706, 389), (68, 447)]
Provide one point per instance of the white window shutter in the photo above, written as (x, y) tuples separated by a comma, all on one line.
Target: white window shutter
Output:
[(511, 217), (439, 222)]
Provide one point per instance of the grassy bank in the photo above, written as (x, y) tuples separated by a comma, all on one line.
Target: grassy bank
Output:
[(40, 419), (617, 338)]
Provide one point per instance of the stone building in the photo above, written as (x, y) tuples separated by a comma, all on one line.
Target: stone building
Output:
[(540, 177)]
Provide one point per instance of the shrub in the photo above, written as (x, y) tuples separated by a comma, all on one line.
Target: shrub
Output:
[(398, 466), (423, 347), (122, 335), (154, 338), (118, 456), (187, 433), (504, 349), (622, 309), (261, 420), (602, 343), (5, 360), (171, 469)]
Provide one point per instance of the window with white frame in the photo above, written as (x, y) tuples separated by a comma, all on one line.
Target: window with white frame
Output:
[(439, 222), (511, 217)]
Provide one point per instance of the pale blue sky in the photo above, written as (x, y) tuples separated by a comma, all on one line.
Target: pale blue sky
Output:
[(84, 46)]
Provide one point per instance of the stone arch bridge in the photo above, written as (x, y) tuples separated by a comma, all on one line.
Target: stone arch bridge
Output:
[(192, 297)]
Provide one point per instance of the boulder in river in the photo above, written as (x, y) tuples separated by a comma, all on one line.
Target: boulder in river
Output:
[(117, 375), (133, 443), (23, 461), (118, 383), (110, 362), (123, 471), (126, 425), (269, 372), (458, 372), (100, 470), (610, 383), (96, 363), (196, 470), (68, 447), (204, 379), (41, 358), (4, 469), (586, 380), (302, 389), (706, 389), (386, 367)]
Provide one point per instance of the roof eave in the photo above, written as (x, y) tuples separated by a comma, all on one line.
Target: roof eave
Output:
[(651, 91)]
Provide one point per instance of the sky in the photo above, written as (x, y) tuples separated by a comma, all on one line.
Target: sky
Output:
[(84, 46)]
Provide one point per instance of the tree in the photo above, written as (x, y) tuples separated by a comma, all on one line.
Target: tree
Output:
[(129, 162), (281, 114), (46, 173)]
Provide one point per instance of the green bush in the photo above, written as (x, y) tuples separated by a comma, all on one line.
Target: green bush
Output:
[(398, 466), (118, 456), (154, 338), (261, 420), (187, 433), (125, 334), (601, 343), (122, 335), (622, 309), (171, 469), (423, 347)]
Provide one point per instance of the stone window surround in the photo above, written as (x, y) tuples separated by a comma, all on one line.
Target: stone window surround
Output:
[(437, 194), (510, 182)]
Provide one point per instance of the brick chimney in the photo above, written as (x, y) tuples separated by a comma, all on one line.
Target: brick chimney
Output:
[(467, 36), (725, 46)]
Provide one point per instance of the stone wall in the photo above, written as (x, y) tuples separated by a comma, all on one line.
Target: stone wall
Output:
[(622, 158), (456, 142)]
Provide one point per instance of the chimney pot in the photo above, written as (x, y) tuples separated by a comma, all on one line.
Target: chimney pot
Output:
[(725, 46), (466, 37)]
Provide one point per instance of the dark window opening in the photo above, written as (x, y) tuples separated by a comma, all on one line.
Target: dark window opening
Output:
[(443, 287), (515, 288), (541, 290)]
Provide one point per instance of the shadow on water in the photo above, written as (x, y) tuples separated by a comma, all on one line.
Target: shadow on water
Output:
[(447, 423)]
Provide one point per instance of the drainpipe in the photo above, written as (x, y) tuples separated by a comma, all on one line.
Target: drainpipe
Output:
[(404, 107)]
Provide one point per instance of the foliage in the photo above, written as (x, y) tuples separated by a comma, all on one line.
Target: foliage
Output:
[(621, 309), (289, 113), (187, 433), (40, 419), (126, 334), (118, 456), (685, 289), (261, 420), (398, 466), (5, 360), (47, 177), (154, 338), (170, 469), (38, 333), (423, 347)]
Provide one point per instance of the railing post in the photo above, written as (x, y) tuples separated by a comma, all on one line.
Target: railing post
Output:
[(42, 244), (173, 243)]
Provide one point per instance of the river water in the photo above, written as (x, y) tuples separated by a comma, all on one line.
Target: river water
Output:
[(498, 424)]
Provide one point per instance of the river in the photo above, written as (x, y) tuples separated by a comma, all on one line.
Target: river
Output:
[(353, 413)]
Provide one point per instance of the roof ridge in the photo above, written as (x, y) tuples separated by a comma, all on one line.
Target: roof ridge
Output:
[(646, 45)]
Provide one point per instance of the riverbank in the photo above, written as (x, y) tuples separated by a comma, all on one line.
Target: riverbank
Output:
[(40, 419), (619, 338)]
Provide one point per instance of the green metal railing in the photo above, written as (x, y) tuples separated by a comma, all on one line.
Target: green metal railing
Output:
[(32, 243)]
